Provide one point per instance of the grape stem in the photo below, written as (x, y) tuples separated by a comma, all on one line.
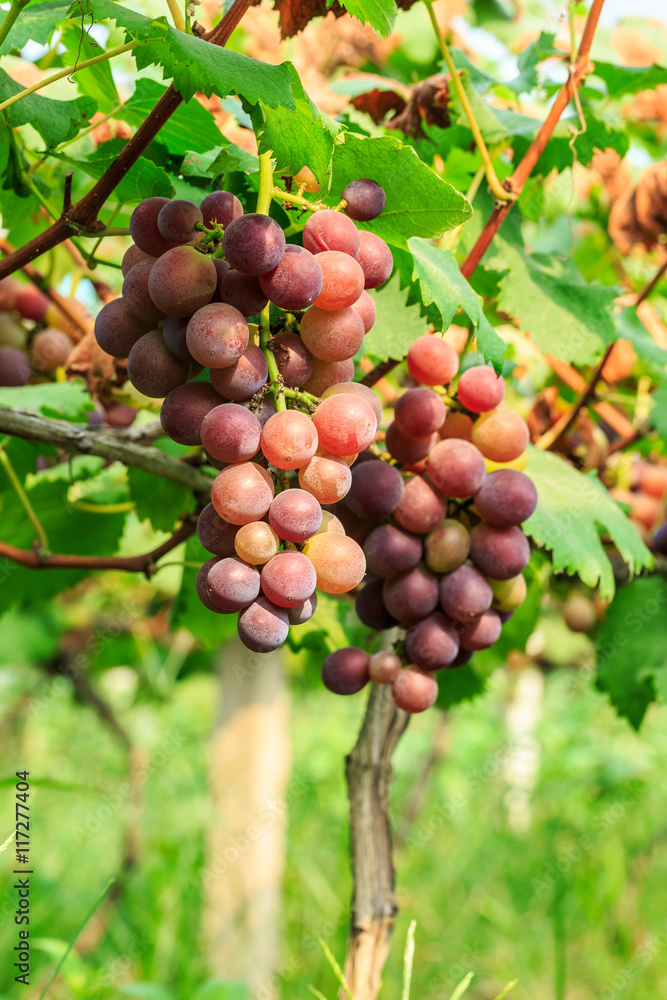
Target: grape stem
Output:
[(263, 206), (296, 199)]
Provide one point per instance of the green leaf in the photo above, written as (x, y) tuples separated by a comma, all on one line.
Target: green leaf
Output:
[(442, 283), (380, 14), (188, 612), (144, 179), (66, 400), (659, 409), (36, 24), (551, 301), (193, 64), (55, 121), (631, 328), (29, 636), (220, 160), (222, 989), (95, 81), (572, 510), (190, 127), (631, 651), (622, 80), (302, 137), (419, 203), (158, 500), (389, 338), (455, 686)]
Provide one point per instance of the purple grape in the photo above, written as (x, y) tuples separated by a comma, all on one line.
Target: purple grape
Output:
[(216, 534), (376, 489), (506, 498), (231, 433), (345, 671), (370, 608), (253, 243), (365, 199), (243, 291), (465, 593), (184, 409), (432, 643), (456, 468), (262, 626), (499, 552), (232, 584), (295, 282), (411, 596), (390, 550)]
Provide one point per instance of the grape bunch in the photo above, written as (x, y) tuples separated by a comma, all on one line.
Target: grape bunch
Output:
[(34, 339), (443, 543), (276, 413)]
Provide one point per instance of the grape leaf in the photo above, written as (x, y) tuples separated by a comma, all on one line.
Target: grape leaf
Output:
[(66, 400), (564, 315), (455, 686), (380, 14), (193, 64), (659, 409), (188, 612), (419, 203), (36, 24), (144, 179), (442, 283), (189, 128), (529, 59), (630, 647), (572, 510), (389, 338), (157, 500), (96, 81), (631, 328), (220, 160), (622, 80), (302, 137), (55, 121)]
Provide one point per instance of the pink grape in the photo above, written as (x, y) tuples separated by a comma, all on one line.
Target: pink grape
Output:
[(253, 243), (295, 282), (181, 281), (345, 671), (262, 626), (294, 360), (326, 476), (384, 667), (231, 433), (479, 389), (288, 579), (420, 509), (332, 335), (214, 533), (419, 412), (365, 306), (343, 280), (501, 435), (177, 219), (136, 294), (338, 560), (201, 588), (482, 632), (414, 690), (232, 584), (506, 497), (217, 335), (184, 409), (329, 230), (50, 350), (357, 389), (376, 489), (242, 493), (325, 374), (499, 553), (345, 424), (456, 468), (243, 379), (457, 425), (432, 643), (432, 361), (375, 260), (412, 595), (289, 439), (295, 515)]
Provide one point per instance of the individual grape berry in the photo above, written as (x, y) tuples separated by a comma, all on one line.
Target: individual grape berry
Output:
[(332, 334), (49, 350), (216, 534), (232, 584), (294, 360), (501, 434), (329, 230), (302, 613), (345, 424), (653, 480), (390, 551), (457, 425), (256, 542), (263, 627), (295, 282), (579, 613), (510, 594), (482, 632), (414, 690), (253, 243), (432, 643), (420, 509), (419, 412), (365, 199), (345, 671), (12, 333), (144, 230), (376, 489), (184, 409), (120, 415), (14, 367), (243, 379), (342, 280), (375, 260), (136, 293), (231, 433), (407, 450), (133, 255), (295, 515), (10, 289), (339, 562), (289, 439), (174, 331), (220, 207), (177, 219), (384, 667), (326, 373), (357, 389), (465, 593), (479, 389), (288, 579), (456, 468), (242, 493), (243, 291), (365, 306), (181, 281), (217, 335), (447, 546), (463, 656), (499, 552), (432, 361), (152, 369), (506, 497), (370, 609), (412, 595), (327, 477), (202, 590), (264, 411), (331, 525)]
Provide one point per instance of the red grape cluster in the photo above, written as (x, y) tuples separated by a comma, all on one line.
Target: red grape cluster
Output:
[(193, 279), (34, 339), (443, 544)]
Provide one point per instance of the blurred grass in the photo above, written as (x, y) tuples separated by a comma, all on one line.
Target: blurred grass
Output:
[(568, 906)]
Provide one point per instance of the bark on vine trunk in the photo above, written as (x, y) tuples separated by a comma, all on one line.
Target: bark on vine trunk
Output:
[(369, 775)]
